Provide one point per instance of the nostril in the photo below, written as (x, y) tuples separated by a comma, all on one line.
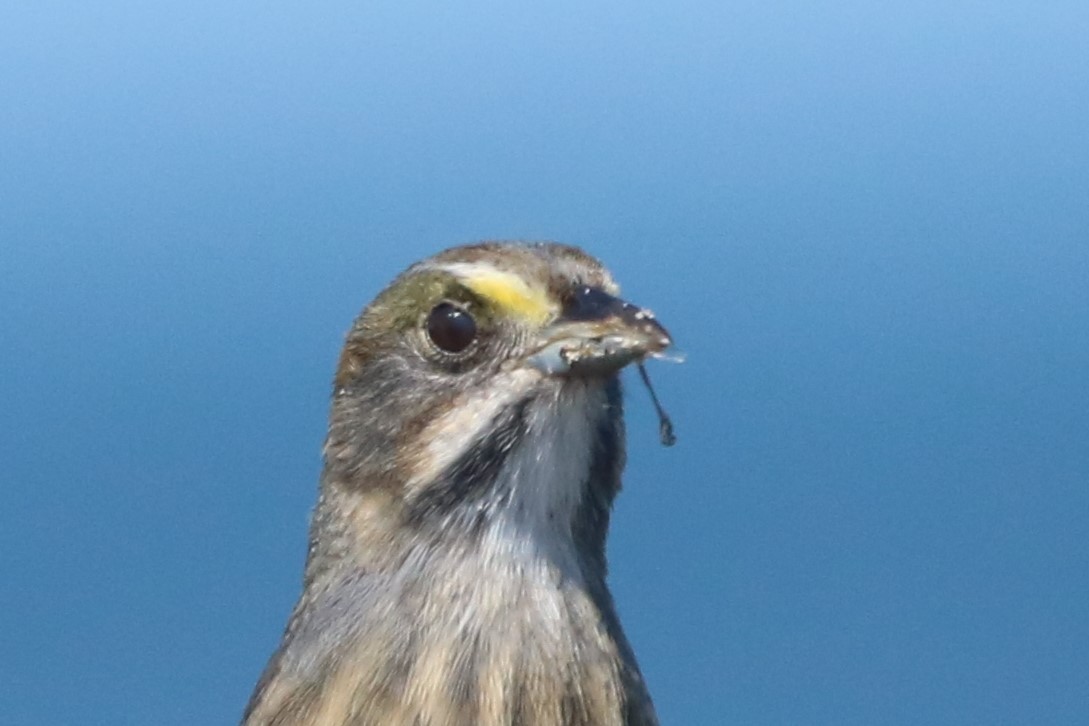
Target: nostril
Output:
[(584, 302)]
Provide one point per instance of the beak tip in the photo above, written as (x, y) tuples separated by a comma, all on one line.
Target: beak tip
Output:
[(658, 338)]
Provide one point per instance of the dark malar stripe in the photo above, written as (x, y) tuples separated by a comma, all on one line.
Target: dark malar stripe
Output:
[(591, 523), (473, 476)]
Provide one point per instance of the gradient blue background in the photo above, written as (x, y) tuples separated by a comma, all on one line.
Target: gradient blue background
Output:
[(866, 223)]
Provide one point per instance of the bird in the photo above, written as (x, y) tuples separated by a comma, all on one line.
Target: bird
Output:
[(456, 567)]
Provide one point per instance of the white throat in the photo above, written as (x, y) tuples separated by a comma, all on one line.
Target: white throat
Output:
[(543, 482)]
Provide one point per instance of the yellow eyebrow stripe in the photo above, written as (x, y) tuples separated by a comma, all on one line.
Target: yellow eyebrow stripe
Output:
[(511, 294)]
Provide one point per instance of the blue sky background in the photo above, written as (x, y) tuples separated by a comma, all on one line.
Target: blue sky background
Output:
[(866, 223)]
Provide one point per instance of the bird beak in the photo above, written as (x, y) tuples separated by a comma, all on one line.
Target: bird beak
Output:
[(597, 334)]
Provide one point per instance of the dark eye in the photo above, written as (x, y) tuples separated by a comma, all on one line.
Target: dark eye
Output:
[(450, 328)]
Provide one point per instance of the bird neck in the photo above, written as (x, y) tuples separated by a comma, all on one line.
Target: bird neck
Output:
[(535, 480), (507, 630), (486, 608)]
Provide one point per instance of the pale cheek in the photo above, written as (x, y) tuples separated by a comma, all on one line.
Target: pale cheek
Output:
[(466, 420)]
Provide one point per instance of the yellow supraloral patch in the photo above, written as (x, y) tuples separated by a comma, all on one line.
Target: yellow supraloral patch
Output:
[(510, 293)]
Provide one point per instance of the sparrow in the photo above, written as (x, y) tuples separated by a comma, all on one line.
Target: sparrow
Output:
[(456, 570)]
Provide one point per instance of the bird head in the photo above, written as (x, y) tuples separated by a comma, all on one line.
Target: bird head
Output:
[(481, 384)]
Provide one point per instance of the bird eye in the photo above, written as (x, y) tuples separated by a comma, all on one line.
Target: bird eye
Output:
[(450, 328)]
